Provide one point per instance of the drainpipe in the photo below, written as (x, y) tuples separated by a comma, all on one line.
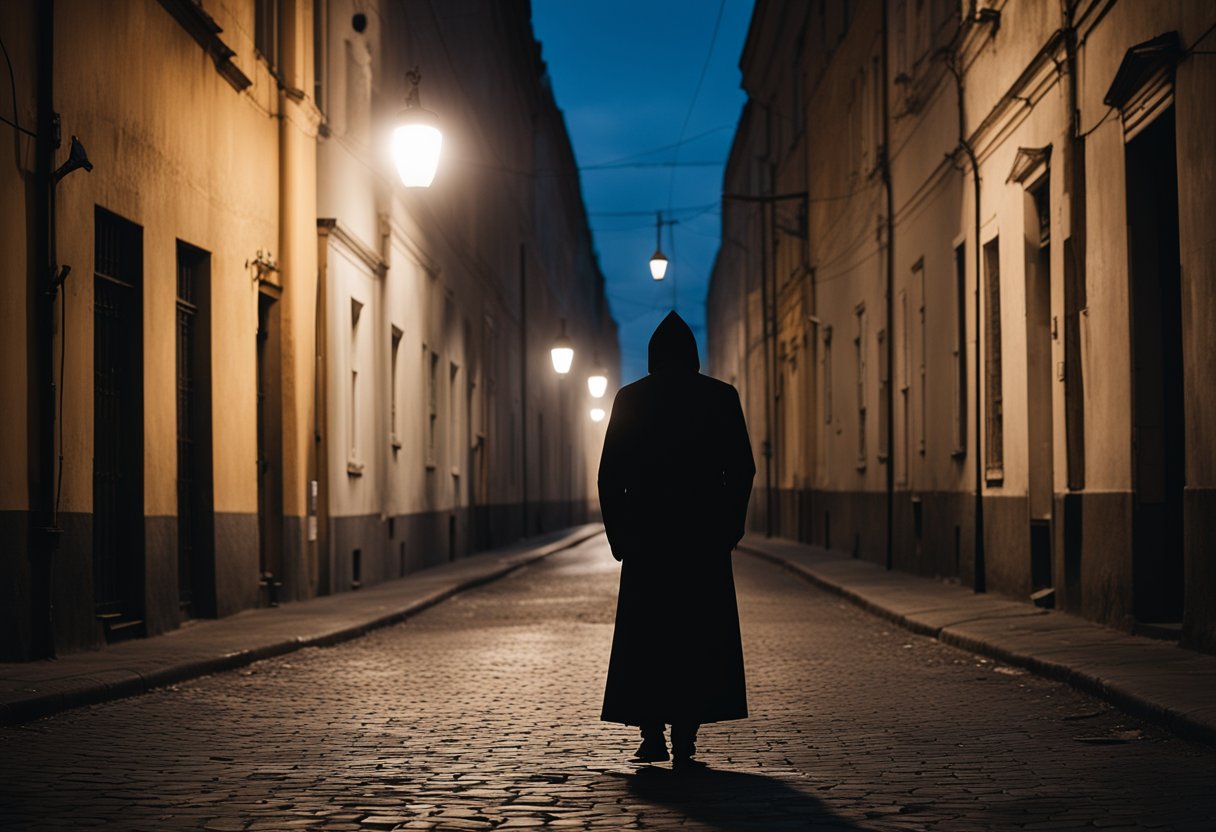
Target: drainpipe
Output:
[(885, 162), (523, 381), (774, 363), (979, 582), (45, 532), (768, 387)]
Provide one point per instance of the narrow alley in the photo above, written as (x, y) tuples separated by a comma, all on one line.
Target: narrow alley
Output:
[(483, 713)]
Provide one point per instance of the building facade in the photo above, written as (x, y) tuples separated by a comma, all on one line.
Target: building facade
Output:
[(967, 299), (242, 364)]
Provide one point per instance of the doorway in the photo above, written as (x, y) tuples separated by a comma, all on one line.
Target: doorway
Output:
[(118, 437), (195, 505), (1039, 383), (269, 430), (1158, 438)]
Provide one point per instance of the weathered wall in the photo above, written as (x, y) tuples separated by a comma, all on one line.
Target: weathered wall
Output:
[(1012, 104)]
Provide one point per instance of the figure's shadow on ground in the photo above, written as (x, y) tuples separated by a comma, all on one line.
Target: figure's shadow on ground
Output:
[(733, 799)]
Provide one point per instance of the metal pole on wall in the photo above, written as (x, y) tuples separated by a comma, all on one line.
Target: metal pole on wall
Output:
[(889, 404), (523, 383)]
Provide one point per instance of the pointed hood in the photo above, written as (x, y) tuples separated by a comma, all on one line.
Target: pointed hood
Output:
[(673, 348)]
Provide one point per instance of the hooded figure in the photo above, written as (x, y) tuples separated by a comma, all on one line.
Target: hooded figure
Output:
[(675, 477)]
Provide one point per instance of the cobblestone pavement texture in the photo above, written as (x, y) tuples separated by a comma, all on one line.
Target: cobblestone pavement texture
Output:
[(482, 713)]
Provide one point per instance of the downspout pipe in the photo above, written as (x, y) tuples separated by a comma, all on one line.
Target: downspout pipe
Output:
[(979, 578), (523, 383), (45, 532), (768, 386), (889, 404), (774, 361)]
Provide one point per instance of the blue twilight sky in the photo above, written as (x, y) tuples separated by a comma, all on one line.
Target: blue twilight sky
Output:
[(625, 73)]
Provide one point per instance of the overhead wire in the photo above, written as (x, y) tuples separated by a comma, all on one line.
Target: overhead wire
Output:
[(709, 53)]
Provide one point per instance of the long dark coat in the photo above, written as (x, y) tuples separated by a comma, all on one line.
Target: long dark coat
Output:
[(674, 481)]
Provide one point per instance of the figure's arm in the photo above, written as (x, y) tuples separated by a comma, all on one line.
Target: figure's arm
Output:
[(739, 468), (613, 480)]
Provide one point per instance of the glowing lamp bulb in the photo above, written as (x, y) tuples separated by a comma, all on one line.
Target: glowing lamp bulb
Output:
[(597, 414), (658, 265), (597, 385), (416, 144)]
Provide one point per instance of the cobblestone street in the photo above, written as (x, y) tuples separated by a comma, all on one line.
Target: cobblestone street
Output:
[(482, 713)]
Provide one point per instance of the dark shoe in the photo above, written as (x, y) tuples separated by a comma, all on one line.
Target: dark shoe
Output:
[(652, 750), (688, 763)]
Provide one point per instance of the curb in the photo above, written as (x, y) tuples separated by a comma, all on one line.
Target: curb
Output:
[(131, 683), (1121, 697)]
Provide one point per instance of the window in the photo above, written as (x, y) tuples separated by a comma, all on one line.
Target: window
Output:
[(918, 286), (884, 384), (431, 360), (994, 458), (827, 375), (354, 414), (876, 114), (905, 388), (859, 349), (266, 31), (454, 418), (959, 353), (514, 462), (320, 42), (901, 37), (354, 466), (798, 93), (394, 371)]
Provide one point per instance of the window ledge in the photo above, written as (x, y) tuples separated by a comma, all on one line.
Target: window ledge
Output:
[(206, 32)]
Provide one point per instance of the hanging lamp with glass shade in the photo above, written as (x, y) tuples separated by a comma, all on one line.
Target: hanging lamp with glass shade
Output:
[(562, 352), (416, 140), (597, 384), (658, 260)]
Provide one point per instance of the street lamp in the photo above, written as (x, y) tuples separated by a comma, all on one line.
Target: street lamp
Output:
[(562, 352), (597, 384), (658, 260), (597, 414), (416, 140), (658, 265)]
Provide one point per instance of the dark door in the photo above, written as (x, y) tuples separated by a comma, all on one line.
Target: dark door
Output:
[(195, 548), (118, 544), (1039, 380), (1158, 429), (269, 429)]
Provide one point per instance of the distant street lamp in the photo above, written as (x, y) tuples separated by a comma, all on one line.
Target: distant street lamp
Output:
[(416, 139), (658, 265), (597, 414), (597, 384), (658, 260), (562, 352)]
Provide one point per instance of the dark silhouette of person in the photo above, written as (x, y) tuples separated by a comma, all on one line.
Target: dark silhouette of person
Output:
[(674, 480)]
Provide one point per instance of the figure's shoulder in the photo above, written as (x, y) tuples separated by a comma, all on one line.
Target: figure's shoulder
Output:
[(718, 388), (632, 389)]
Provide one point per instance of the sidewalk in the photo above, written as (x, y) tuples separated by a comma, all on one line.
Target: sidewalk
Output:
[(33, 689), (1152, 679)]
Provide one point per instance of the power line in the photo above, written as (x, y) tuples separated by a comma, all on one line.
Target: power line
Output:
[(696, 94), (661, 148)]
